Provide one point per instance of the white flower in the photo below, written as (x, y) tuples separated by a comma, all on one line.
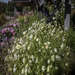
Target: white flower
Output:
[(24, 32), (55, 22), (24, 47), (53, 58), (26, 70), (6, 58), (42, 27), (26, 66), (51, 51), (42, 19), (48, 68), (51, 34), (30, 61), (45, 43), (18, 46), (66, 64), (61, 31), (53, 18), (36, 60), (29, 69), (48, 61), (23, 71), (33, 23), (18, 55), (20, 40), (62, 46), (13, 50), (39, 42), (53, 30), (49, 42), (42, 47), (26, 42), (43, 68), (14, 65), (55, 50), (56, 67), (23, 60), (31, 36), (58, 57), (29, 28), (15, 56), (9, 51), (46, 46), (68, 53), (39, 50), (32, 57), (48, 73), (37, 39), (14, 69), (28, 47)]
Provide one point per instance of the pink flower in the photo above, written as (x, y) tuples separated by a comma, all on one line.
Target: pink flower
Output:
[(4, 30), (8, 33), (11, 30), (14, 25)]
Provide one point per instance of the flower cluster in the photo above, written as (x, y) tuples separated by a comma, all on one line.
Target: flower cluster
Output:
[(7, 34), (12, 25), (42, 50)]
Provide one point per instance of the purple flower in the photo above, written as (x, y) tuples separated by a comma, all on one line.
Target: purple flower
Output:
[(11, 30), (12, 25), (3, 30), (7, 33)]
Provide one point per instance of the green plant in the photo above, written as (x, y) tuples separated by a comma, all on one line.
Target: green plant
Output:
[(2, 19), (42, 50), (24, 23), (72, 40)]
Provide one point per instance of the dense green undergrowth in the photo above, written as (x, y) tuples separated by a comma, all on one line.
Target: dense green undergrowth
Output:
[(72, 40), (41, 50)]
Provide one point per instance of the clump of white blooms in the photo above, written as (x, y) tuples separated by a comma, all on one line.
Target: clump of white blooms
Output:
[(41, 50)]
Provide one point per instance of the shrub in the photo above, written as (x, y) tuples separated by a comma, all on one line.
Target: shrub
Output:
[(42, 50), (3, 20)]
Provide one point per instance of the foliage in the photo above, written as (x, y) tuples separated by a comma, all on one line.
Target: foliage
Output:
[(42, 50), (3, 20), (72, 40), (24, 23)]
